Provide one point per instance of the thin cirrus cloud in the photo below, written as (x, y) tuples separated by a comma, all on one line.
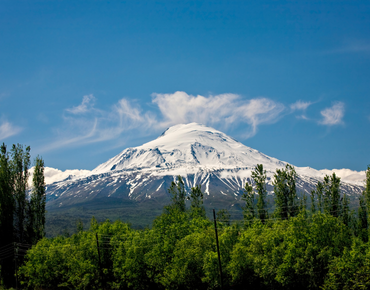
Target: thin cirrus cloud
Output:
[(300, 105), (86, 105), (333, 115), (7, 130), (84, 124)]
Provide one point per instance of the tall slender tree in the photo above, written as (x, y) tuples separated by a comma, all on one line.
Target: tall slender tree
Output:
[(249, 211), (6, 216), (366, 195), (362, 214), (22, 218), (285, 192), (38, 201), (20, 168), (196, 202), (345, 213), (319, 193), (313, 201), (332, 200), (177, 190), (259, 177)]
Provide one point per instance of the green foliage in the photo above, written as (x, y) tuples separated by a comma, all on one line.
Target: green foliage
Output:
[(178, 193), (37, 202), (332, 200), (259, 177), (19, 165), (249, 211), (345, 215), (186, 268), (223, 217), (196, 202), (22, 219), (7, 205), (302, 251), (366, 195), (351, 270), (320, 194), (285, 192)]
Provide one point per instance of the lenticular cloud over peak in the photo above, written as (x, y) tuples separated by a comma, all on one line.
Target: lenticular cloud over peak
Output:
[(223, 109)]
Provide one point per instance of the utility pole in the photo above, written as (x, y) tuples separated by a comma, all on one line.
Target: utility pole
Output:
[(218, 250), (100, 269), (15, 265)]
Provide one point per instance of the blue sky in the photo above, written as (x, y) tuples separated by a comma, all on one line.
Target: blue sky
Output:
[(82, 80)]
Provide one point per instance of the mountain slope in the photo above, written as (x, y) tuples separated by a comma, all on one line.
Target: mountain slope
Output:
[(200, 154), (189, 146)]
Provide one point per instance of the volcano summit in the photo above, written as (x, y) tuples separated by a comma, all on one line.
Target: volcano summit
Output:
[(200, 154)]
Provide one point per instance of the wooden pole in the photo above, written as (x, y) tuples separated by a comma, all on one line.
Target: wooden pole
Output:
[(218, 250), (15, 265), (100, 269)]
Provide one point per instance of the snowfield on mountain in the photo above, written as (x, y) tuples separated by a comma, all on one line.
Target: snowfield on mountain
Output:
[(200, 154)]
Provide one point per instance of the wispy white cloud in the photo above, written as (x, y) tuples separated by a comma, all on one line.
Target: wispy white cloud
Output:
[(300, 105), (224, 109), (7, 129), (351, 46), (86, 124), (333, 115), (86, 105)]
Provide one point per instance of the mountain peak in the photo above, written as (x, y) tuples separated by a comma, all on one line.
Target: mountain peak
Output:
[(184, 128), (189, 147)]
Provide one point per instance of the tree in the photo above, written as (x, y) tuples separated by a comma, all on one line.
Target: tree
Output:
[(22, 218), (249, 211), (259, 177), (285, 192), (196, 202), (38, 201), (6, 217), (366, 194), (20, 166), (332, 201), (362, 219), (313, 202), (346, 217), (177, 190), (223, 217), (319, 193)]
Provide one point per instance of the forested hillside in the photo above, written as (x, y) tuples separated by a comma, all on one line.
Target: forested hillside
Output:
[(310, 243)]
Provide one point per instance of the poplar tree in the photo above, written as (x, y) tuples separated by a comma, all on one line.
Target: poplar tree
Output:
[(319, 193), (259, 177), (6, 217), (20, 166), (285, 192), (249, 211), (196, 202), (362, 218), (313, 201), (345, 213), (38, 201), (366, 194), (177, 190), (332, 201)]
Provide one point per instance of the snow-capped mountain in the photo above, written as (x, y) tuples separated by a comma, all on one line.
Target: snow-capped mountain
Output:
[(200, 154)]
